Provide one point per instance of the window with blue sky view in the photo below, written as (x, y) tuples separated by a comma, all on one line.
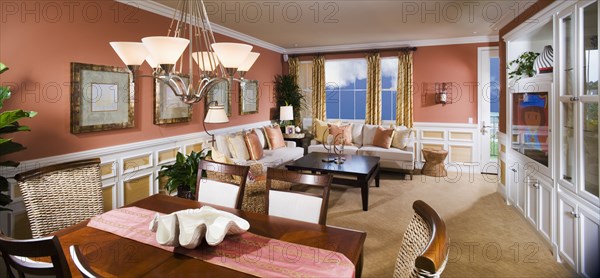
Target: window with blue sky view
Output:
[(346, 88)]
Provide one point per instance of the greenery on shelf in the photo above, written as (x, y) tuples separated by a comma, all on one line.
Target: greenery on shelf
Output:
[(287, 92), (183, 174), (524, 65), (9, 124)]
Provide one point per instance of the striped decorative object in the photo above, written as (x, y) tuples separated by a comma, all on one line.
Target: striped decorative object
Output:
[(544, 63)]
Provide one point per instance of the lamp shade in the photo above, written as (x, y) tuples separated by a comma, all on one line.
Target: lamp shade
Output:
[(153, 64), (165, 50), (247, 64), (286, 113), (131, 53), (216, 115), (206, 60), (231, 55)]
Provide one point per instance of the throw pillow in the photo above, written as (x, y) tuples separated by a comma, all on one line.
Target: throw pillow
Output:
[(274, 137), (218, 156), (357, 134), (401, 137), (369, 134), (222, 144), (261, 137), (253, 145), (383, 137), (321, 128), (344, 130), (237, 147)]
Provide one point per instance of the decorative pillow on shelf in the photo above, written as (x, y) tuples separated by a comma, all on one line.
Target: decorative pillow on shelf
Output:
[(274, 137), (383, 137), (253, 145), (401, 137), (369, 134), (345, 130), (237, 147)]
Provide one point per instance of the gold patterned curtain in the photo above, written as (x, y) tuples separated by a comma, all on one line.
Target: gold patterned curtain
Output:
[(404, 95), (373, 112), (318, 90), (294, 65)]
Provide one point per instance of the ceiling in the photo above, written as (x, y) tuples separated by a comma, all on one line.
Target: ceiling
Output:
[(307, 25)]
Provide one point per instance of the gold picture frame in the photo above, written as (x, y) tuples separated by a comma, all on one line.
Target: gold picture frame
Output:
[(221, 95), (168, 108), (249, 100), (102, 98)]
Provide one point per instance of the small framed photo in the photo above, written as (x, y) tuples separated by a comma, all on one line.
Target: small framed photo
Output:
[(290, 129)]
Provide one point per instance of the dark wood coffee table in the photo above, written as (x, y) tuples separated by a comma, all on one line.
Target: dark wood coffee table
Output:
[(364, 168)]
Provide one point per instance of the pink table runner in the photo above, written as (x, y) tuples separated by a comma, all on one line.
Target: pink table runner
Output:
[(249, 253)]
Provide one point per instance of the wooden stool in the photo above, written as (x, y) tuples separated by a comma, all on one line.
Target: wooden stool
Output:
[(434, 163)]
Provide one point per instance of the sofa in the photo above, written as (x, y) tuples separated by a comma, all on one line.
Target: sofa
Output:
[(392, 158)]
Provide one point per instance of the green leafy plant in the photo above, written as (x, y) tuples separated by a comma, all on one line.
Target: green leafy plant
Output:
[(183, 174), (524, 65), (287, 92), (9, 124)]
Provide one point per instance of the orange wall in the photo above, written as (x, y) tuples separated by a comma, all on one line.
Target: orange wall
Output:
[(446, 63), (39, 46)]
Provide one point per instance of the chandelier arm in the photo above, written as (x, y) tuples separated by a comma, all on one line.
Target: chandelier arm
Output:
[(181, 89), (212, 36)]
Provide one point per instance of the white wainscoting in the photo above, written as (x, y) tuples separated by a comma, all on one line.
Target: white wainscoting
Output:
[(128, 171)]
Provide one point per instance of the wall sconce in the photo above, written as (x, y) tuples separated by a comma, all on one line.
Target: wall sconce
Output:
[(443, 95)]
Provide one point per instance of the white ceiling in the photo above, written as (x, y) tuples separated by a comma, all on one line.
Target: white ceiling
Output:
[(309, 25)]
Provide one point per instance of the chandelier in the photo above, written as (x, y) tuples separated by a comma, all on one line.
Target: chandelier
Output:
[(210, 63)]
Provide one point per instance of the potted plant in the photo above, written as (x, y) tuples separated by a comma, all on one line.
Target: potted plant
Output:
[(524, 65), (183, 174), (9, 124), (287, 92)]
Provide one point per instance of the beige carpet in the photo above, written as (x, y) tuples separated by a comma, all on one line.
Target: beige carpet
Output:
[(488, 238)]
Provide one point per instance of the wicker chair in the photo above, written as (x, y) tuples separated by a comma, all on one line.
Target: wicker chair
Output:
[(16, 254), (424, 249), (297, 205), (223, 185), (61, 195), (81, 263)]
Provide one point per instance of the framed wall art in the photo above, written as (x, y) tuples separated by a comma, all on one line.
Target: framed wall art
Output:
[(168, 108), (248, 97), (221, 95), (101, 98)]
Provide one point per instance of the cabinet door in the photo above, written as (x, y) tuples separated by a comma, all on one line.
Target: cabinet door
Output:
[(545, 209), (589, 243), (512, 183), (531, 198), (567, 229)]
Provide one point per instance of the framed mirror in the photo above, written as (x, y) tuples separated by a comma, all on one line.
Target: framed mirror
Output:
[(220, 93), (168, 108), (248, 97)]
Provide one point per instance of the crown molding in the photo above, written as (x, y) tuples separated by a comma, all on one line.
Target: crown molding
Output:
[(396, 44), (165, 11)]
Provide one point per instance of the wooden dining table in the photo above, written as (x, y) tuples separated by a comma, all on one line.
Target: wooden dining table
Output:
[(111, 254)]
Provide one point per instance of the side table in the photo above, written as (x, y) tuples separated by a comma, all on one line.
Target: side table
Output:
[(296, 137), (434, 163)]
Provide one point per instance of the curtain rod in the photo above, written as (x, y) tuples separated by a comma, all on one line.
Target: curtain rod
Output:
[(354, 51)]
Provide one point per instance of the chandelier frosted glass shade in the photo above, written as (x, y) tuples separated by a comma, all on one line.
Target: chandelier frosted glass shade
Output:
[(247, 64), (206, 60), (165, 50), (216, 115), (153, 64), (231, 55), (131, 53)]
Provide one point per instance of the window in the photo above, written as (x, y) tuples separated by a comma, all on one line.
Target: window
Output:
[(389, 86), (346, 89)]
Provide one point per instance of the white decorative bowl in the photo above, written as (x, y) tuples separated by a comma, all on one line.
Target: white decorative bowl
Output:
[(186, 228)]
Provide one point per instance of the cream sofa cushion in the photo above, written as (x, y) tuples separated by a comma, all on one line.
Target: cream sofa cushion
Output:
[(357, 134), (369, 134), (237, 147), (401, 136), (222, 144)]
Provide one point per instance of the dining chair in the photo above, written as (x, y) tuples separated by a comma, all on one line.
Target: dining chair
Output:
[(221, 192), (58, 196), (16, 254), (302, 206), (81, 263), (424, 248)]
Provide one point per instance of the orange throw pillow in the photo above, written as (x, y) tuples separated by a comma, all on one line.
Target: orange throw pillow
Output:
[(253, 144), (383, 137), (274, 137), (345, 130)]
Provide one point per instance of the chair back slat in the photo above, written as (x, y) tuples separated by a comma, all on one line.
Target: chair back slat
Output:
[(227, 169), (16, 253), (61, 195), (303, 199)]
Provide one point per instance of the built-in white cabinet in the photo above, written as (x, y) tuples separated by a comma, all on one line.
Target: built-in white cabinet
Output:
[(539, 206), (567, 229)]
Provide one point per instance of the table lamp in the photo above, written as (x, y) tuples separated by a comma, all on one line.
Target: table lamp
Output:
[(286, 113)]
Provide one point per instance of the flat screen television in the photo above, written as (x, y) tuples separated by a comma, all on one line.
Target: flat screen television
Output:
[(530, 125)]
